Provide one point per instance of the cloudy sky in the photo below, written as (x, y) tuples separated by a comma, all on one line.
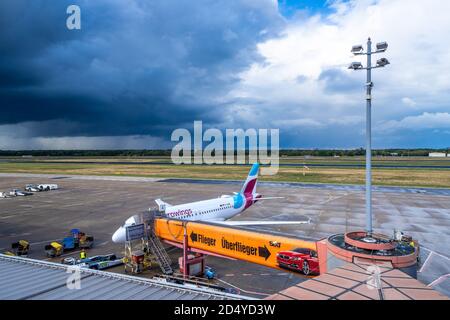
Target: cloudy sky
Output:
[(139, 69)]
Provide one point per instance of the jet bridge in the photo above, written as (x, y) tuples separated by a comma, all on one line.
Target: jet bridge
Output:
[(229, 242), (277, 250)]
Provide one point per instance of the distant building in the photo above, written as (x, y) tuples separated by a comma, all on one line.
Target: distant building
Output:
[(437, 154)]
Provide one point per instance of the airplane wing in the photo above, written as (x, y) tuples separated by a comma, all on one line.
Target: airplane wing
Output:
[(259, 223), (268, 198)]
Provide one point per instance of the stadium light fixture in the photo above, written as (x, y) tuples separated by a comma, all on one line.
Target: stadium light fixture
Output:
[(355, 65), (382, 46), (382, 62), (359, 50)]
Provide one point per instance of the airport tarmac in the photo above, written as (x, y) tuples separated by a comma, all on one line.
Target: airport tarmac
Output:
[(98, 205)]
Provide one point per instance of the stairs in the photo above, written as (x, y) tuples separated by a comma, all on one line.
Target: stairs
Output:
[(159, 252)]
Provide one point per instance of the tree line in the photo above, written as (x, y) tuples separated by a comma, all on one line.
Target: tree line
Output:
[(167, 153)]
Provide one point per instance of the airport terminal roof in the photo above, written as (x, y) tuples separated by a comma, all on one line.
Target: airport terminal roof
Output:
[(29, 279), (353, 281)]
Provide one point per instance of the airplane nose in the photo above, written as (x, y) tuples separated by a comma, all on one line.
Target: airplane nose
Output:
[(119, 235)]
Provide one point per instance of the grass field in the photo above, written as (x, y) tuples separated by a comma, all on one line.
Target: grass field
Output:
[(328, 161), (429, 177)]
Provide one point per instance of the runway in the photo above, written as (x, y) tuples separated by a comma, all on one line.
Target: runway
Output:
[(300, 164)]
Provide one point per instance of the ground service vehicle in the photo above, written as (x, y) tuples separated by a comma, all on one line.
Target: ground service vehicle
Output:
[(32, 188), (96, 262), (75, 240), (18, 192), (20, 248), (210, 273), (54, 249), (47, 187), (81, 240)]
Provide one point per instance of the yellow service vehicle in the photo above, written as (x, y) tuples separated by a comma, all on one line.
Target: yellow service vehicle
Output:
[(20, 248), (54, 249)]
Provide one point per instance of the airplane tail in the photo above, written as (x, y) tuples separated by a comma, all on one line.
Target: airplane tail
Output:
[(249, 186)]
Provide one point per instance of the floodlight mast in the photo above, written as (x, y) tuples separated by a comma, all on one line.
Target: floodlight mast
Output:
[(369, 140), (358, 50)]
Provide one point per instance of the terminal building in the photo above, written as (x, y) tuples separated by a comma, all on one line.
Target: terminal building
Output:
[(29, 279), (438, 155)]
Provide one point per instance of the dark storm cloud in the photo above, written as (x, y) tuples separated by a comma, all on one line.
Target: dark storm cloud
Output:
[(135, 67)]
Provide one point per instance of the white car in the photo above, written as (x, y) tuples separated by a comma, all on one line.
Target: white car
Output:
[(47, 187), (32, 188), (4, 195), (18, 192)]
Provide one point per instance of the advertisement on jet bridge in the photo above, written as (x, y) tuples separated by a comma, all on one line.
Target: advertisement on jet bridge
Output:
[(256, 247)]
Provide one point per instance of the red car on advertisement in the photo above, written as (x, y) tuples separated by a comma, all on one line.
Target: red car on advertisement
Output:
[(300, 259)]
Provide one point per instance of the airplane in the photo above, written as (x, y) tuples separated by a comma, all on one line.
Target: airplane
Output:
[(217, 210)]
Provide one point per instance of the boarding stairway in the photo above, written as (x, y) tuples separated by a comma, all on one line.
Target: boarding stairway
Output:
[(156, 248)]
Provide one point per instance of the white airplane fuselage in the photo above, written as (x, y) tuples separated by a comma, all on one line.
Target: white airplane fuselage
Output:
[(218, 209)]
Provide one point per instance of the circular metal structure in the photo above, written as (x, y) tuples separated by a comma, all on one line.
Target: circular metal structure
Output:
[(372, 247), (361, 239)]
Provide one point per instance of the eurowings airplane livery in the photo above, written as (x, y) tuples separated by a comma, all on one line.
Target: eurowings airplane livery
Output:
[(217, 210)]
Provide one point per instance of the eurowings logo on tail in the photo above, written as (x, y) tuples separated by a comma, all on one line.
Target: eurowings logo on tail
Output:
[(218, 210), (249, 186)]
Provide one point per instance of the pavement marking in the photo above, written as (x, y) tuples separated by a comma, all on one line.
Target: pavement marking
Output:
[(246, 291), (439, 280), (7, 217), (13, 235), (256, 274), (438, 254), (426, 261)]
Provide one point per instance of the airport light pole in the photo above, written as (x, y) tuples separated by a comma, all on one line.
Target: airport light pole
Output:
[(359, 50)]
